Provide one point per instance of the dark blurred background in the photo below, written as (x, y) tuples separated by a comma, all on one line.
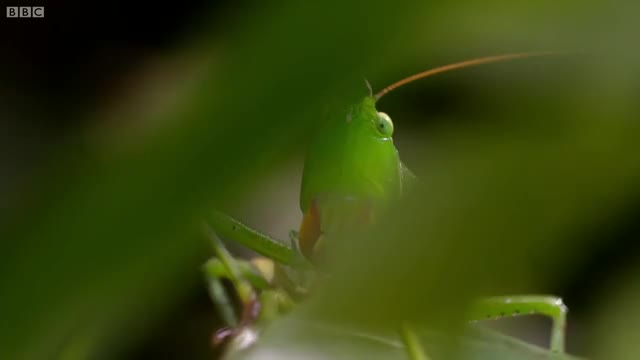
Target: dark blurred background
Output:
[(55, 72), (60, 73)]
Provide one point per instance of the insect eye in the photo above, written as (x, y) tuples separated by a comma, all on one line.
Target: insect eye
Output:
[(384, 124)]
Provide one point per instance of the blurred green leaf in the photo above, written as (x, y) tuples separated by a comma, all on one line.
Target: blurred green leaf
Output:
[(296, 338)]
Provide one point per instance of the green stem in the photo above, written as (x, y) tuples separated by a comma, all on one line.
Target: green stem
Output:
[(245, 292), (412, 343)]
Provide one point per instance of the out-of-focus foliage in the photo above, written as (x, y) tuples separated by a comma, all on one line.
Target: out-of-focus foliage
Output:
[(506, 202), (291, 339)]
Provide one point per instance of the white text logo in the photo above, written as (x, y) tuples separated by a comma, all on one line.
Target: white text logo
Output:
[(25, 11)]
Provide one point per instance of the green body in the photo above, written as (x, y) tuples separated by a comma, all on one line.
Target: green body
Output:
[(352, 163), (351, 158)]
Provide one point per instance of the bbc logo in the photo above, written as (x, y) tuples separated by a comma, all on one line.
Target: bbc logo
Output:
[(25, 11)]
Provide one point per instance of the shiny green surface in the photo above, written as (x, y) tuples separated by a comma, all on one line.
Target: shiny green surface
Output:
[(351, 157)]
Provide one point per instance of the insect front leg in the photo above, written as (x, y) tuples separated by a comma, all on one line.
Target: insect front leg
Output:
[(261, 285), (231, 229), (502, 306)]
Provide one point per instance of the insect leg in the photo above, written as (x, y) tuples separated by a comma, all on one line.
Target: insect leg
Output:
[(232, 229), (502, 306)]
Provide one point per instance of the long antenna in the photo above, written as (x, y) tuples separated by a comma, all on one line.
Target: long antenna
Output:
[(458, 65)]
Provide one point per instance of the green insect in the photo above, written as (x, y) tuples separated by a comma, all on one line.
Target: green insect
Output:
[(350, 173)]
